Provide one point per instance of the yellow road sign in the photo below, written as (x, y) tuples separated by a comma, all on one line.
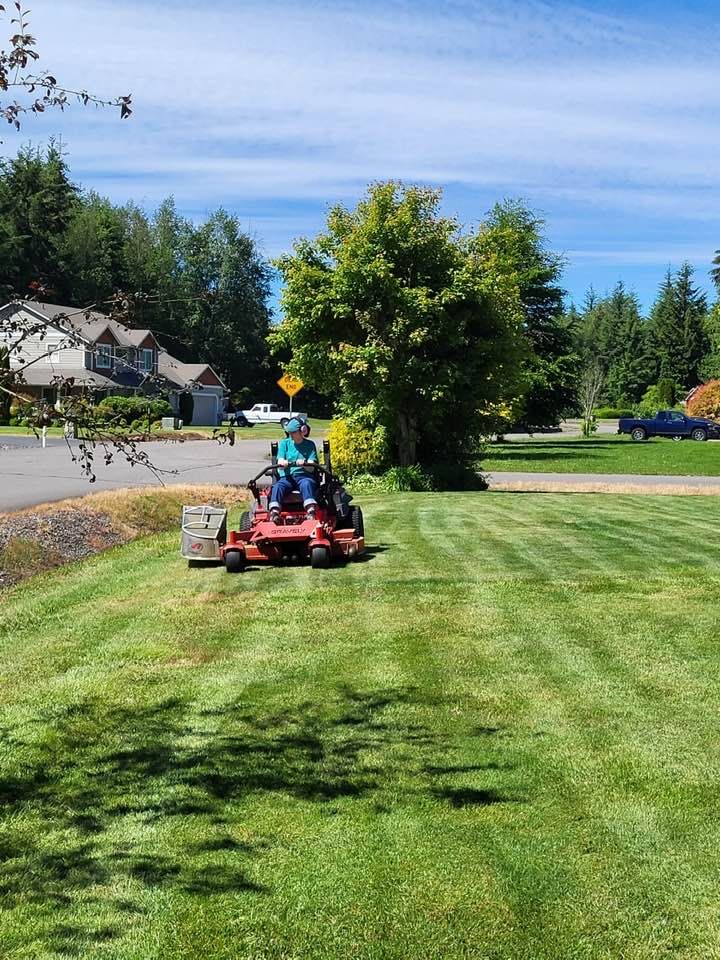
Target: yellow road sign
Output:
[(291, 385)]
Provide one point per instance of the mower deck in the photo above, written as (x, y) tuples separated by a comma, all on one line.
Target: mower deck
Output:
[(293, 536)]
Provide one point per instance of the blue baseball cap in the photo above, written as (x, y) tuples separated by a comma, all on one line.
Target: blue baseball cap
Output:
[(292, 426)]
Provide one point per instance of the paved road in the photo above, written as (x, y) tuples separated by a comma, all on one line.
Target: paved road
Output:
[(31, 475)]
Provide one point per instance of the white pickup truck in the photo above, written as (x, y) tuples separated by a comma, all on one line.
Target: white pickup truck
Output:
[(269, 413)]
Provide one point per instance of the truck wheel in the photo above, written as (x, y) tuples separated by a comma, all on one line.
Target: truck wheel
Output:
[(319, 558), (245, 520), (234, 561), (699, 434), (638, 433)]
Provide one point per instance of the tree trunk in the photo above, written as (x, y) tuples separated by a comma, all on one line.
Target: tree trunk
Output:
[(407, 439)]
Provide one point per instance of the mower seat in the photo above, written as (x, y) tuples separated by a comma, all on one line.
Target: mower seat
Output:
[(292, 499)]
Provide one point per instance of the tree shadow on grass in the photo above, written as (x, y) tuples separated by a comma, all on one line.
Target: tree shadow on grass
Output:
[(100, 763)]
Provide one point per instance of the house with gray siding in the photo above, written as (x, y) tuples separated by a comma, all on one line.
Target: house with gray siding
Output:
[(86, 351)]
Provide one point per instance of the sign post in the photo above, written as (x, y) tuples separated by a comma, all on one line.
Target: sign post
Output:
[(290, 386)]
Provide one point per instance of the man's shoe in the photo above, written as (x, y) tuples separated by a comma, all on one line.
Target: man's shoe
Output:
[(274, 516), (310, 513)]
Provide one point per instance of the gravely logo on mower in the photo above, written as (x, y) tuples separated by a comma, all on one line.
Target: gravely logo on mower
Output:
[(294, 531)]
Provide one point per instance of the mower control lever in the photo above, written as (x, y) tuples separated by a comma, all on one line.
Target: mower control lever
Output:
[(272, 469)]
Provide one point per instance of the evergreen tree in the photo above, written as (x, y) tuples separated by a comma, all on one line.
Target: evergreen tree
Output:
[(93, 252), (715, 272), (630, 367), (37, 202), (612, 335), (512, 236), (677, 325)]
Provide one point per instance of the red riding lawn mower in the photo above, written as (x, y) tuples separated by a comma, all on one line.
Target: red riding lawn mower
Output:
[(336, 532)]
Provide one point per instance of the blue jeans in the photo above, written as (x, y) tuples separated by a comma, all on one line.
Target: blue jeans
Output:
[(305, 484)]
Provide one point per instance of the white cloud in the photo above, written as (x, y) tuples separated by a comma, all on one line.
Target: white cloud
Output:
[(250, 101)]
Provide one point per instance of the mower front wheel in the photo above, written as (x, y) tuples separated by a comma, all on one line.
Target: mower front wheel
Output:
[(234, 561), (319, 558)]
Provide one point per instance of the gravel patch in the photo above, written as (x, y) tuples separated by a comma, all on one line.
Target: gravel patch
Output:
[(62, 535)]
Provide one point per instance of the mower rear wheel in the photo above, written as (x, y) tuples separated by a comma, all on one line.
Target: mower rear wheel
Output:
[(319, 558), (234, 561), (357, 522), (245, 520)]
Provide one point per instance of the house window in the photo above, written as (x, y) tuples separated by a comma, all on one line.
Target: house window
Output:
[(104, 356), (147, 358)]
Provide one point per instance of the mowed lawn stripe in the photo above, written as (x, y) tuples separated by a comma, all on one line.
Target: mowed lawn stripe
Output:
[(494, 737)]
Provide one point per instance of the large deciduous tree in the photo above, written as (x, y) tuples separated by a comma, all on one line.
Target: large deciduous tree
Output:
[(226, 319), (391, 307), (511, 241)]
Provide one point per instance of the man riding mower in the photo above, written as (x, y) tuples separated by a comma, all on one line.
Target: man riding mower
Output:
[(305, 515)]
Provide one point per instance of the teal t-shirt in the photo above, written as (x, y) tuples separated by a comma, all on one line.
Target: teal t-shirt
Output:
[(305, 450)]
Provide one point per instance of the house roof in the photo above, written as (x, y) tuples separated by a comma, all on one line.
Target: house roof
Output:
[(181, 373), (37, 376), (89, 325)]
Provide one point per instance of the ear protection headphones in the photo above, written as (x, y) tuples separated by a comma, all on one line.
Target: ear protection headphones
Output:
[(304, 426)]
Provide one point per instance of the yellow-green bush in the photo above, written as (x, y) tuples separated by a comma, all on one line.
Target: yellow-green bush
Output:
[(356, 448)]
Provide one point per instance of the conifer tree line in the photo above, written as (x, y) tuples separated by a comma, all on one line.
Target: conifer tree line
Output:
[(677, 343), (209, 286)]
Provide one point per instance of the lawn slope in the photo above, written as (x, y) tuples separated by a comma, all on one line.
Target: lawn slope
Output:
[(494, 738)]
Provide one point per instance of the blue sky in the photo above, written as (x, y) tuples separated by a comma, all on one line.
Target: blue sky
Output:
[(603, 116)]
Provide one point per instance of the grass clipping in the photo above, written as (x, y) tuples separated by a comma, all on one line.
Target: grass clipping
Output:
[(43, 537)]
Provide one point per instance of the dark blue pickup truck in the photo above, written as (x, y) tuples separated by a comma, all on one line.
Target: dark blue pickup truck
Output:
[(670, 423)]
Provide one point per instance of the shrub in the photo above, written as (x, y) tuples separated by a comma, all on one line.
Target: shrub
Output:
[(357, 449), (667, 393), (705, 402), (588, 426), (126, 410), (613, 413), (661, 396), (417, 479)]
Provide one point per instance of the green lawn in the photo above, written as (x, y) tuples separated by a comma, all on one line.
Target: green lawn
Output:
[(25, 432), (272, 431), (261, 431), (496, 738), (605, 454)]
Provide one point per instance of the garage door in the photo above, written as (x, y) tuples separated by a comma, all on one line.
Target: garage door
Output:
[(205, 409)]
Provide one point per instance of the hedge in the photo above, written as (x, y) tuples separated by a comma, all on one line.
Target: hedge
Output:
[(126, 410)]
